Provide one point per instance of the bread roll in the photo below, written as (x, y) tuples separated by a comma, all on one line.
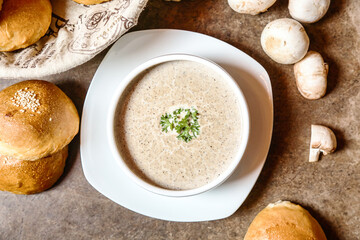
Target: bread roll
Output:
[(90, 2), (284, 221), (36, 119), (23, 22), (28, 177)]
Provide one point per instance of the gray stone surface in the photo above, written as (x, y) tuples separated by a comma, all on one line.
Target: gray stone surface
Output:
[(329, 189)]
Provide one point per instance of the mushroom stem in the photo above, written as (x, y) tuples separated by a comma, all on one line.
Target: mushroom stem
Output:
[(314, 154)]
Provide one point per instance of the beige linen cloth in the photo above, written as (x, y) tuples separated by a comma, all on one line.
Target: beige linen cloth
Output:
[(77, 33)]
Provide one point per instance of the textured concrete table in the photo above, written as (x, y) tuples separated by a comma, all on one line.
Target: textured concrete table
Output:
[(329, 189)]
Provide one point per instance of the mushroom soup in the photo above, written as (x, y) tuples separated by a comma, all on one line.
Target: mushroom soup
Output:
[(178, 125)]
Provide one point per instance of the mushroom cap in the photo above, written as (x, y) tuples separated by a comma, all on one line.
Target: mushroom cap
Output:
[(252, 7), (285, 41), (311, 75), (323, 138), (308, 11)]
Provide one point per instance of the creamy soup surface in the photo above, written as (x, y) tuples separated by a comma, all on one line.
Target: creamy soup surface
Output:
[(162, 159)]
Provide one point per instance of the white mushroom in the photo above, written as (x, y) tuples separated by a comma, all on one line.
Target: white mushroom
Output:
[(308, 11), (322, 140), (311, 76), (252, 7), (285, 41)]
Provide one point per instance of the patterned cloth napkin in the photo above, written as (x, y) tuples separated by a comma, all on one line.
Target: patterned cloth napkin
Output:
[(77, 33)]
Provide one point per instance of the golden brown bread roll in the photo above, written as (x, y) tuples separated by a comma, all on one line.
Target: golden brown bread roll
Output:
[(28, 177), (90, 2), (23, 22), (284, 221), (36, 119)]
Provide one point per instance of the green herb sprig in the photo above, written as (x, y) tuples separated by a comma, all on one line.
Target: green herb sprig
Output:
[(187, 127)]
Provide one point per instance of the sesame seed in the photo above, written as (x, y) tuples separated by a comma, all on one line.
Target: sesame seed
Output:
[(26, 99)]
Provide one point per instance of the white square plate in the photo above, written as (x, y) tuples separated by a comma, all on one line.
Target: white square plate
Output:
[(103, 172)]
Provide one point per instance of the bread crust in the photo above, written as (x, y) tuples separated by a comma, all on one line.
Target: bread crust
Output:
[(23, 22), (31, 133), (90, 2), (284, 221), (28, 177)]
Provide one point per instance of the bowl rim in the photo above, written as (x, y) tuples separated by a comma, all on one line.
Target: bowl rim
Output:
[(245, 121)]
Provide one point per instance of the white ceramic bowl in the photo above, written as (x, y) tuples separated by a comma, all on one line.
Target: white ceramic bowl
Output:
[(111, 123)]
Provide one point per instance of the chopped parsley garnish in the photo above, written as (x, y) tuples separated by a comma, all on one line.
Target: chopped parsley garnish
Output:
[(183, 121), (165, 122)]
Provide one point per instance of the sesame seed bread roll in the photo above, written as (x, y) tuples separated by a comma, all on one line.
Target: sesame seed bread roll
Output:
[(36, 119), (23, 22), (284, 220), (28, 177), (90, 2)]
